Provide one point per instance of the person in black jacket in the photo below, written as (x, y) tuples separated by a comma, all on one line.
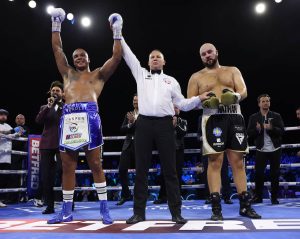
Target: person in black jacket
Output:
[(266, 128), (127, 157), (180, 129)]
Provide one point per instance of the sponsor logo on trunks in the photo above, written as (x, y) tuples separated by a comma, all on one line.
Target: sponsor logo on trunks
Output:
[(217, 132), (231, 109), (73, 127), (166, 80), (73, 136), (240, 137), (218, 144), (74, 107)]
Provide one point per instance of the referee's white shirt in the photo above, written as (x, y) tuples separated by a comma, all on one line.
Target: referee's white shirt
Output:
[(157, 92)]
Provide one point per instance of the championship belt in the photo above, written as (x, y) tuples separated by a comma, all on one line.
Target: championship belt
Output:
[(75, 131)]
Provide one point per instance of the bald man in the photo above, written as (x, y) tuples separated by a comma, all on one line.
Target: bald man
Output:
[(223, 126), (158, 94)]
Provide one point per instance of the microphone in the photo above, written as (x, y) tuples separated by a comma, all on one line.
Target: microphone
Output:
[(53, 99)]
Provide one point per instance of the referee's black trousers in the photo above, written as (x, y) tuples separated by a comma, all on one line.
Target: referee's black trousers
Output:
[(158, 130)]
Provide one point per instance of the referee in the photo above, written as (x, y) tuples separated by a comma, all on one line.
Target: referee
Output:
[(157, 93)]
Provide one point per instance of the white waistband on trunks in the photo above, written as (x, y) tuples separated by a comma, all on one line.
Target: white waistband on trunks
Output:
[(223, 109)]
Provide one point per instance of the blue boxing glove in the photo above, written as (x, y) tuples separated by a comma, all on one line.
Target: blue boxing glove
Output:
[(57, 17), (20, 130), (116, 24)]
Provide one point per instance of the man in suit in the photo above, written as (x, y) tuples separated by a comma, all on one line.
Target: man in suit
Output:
[(266, 128), (49, 116), (127, 155)]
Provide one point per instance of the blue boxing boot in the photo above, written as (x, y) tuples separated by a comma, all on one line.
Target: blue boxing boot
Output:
[(64, 216), (104, 212)]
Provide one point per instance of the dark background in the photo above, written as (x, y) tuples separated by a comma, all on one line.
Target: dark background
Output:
[(265, 48)]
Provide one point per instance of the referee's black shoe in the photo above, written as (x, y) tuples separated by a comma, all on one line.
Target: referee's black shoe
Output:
[(123, 200), (178, 219), (135, 219)]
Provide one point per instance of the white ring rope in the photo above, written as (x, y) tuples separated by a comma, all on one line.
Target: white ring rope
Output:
[(189, 135), (187, 151), (116, 188), (151, 170)]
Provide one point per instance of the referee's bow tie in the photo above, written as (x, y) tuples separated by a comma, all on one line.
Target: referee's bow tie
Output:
[(155, 72)]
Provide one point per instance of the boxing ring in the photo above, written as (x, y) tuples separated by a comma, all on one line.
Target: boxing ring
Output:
[(278, 221)]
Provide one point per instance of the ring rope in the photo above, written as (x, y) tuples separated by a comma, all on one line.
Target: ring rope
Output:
[(151, 170), (116, 188), (189, 135), (187, 151)]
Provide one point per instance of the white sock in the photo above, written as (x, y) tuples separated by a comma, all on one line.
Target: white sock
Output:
[(101, 190), (68, 195)]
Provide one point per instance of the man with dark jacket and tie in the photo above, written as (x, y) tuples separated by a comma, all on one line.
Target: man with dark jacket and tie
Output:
[(49, 116), (127, 155), (266, 128)]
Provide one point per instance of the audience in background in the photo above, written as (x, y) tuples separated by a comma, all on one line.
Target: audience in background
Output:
[(5, 152), (127, 157)]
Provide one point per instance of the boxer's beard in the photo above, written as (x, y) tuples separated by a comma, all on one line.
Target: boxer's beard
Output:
[(2, 121), (212, 63)]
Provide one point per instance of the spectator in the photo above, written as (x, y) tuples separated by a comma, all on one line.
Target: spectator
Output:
[(18, 162), (127, 155), (298, 117), (266, 128), (5, 151)]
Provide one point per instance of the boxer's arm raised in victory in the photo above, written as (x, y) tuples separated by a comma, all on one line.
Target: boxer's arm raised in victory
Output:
[(58, 15), (109, 67)]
